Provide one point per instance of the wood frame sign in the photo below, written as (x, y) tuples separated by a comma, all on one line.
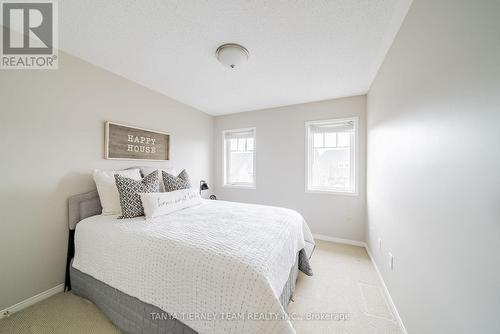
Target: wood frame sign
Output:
[(125, 142)]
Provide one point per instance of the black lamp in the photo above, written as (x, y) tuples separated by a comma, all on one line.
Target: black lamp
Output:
[(203, 186)]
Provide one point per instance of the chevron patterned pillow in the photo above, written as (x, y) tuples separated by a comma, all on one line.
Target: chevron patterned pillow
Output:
[(129, 190), (178, 182)]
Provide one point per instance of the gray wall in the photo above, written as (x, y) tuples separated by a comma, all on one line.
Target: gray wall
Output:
[(52, 137), (280, 169), (433, 161)]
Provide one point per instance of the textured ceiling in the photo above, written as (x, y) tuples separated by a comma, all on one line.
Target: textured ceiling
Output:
[(300, 51)]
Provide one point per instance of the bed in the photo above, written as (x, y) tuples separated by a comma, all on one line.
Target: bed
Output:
[(219, 267)]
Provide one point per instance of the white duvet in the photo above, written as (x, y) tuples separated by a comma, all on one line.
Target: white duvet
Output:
[(203, 264)]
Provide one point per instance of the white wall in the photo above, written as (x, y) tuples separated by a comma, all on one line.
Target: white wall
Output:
[(433, 127), (51, 138), (281, 165)]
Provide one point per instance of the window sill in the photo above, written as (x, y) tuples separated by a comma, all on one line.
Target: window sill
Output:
[(332, 192)]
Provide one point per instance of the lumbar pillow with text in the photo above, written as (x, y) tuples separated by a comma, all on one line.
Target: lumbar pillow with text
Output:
[(178, 182), (160, 204), (106, 187), (129, 190)]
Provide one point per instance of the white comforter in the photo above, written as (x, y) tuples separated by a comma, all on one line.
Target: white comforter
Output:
[(214, 260)]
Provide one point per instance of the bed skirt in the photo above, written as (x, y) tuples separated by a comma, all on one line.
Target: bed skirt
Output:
[(131, 315)]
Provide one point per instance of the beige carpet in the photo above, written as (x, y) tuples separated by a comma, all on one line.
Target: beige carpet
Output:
[(345, 291), (63, 313), (344, 281)]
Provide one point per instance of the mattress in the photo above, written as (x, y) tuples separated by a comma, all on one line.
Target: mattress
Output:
[(216, 258)]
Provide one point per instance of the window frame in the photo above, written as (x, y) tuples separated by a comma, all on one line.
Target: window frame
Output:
[(240, 185), (354, 154)]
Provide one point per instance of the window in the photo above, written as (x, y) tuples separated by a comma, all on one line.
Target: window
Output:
[(239, 157), (331, 151)]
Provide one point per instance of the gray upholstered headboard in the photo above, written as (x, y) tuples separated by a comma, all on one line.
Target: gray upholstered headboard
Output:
[(82, 206)]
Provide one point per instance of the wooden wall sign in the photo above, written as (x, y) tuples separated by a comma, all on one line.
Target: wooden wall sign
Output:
[(131, 143)]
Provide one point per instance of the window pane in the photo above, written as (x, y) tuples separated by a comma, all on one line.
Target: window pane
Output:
[(239, 157), (240, 167), (331, 156), (344, 139), (331, 168), (331, 139), (241, 144), (249, 144), (233, 144), (318, 140)]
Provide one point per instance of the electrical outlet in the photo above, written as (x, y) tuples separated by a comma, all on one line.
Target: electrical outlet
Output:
[(379, 243), (391, 261)]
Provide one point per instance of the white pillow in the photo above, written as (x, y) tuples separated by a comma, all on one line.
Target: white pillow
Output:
[(106, 187), (159, 204)]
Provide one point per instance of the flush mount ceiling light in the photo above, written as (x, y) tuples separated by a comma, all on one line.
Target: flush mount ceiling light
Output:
[(232, 55)]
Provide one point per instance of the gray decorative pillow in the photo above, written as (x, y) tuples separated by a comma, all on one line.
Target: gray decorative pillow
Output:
[(129, 190), (145, 171), (173, 183)]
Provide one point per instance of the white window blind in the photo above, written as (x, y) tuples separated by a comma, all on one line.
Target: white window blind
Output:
[(239, 157), (331, 146)]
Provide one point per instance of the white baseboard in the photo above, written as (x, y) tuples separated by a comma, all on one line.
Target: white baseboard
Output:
[(387, 294), (30, 301), (339, 240), (363, 244)]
